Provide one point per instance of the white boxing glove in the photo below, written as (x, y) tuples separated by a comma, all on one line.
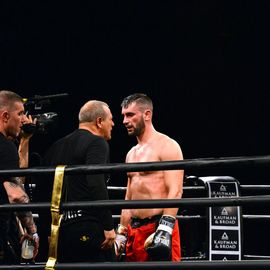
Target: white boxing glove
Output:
[(120, 240)]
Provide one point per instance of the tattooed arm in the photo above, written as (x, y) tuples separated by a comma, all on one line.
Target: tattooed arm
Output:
[(17, 194)]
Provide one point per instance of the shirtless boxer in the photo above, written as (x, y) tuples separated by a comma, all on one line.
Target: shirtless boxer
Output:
[(149, 234)]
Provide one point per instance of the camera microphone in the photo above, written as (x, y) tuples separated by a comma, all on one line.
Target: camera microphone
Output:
[(38, 98)]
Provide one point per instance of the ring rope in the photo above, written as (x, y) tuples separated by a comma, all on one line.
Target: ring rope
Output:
[(185, 265), (141, 204), (242, 187), (229, 162), (192, 217), (182, 217)]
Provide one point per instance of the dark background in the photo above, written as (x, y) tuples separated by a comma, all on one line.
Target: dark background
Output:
[(205, 64)]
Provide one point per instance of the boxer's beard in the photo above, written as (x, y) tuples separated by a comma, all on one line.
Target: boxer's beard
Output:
[(138, 130)]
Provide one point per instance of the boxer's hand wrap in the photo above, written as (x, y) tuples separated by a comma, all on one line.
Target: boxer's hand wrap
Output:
[(120, 239), (159, 244)]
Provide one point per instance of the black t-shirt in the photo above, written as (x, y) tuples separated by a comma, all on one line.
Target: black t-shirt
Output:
[(81, 148), (9, 159)]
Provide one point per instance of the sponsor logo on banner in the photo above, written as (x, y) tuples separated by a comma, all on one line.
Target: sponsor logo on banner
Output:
[(224, 223), (227, 216), (225, 240), (223, 190)]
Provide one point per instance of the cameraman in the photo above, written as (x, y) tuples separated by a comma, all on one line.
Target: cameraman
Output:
[(12, 118)]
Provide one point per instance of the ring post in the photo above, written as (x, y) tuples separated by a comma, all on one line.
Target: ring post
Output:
[(224, 223)]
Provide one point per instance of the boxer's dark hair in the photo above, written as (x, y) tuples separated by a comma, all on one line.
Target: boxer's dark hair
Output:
[(139, 98)]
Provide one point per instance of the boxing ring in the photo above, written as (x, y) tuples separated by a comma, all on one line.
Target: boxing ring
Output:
[(199, 262)]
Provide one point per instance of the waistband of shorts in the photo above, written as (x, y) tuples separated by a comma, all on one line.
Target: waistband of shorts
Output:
[(138, 222)]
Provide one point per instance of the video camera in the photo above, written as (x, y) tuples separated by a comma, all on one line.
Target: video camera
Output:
[(43, 120)]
